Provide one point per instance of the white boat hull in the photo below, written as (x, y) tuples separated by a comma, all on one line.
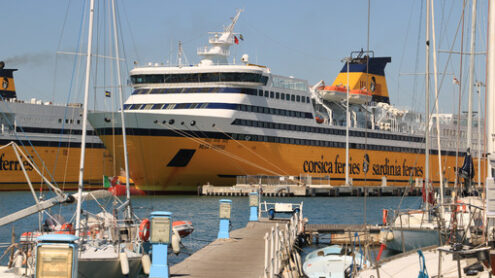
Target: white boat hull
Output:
[(414, 238)]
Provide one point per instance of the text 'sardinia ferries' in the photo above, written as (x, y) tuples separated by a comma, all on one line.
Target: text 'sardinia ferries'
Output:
[(211, 122)]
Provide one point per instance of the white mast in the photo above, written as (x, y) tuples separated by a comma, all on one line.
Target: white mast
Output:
[(347, 120), (427, 102), (490, 91), (435, 73), (80, 184), (122, 118), (471, 74)]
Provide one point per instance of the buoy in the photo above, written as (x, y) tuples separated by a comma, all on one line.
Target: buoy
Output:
[(146, 262), (384, 216), (176, 243), (124, 263)]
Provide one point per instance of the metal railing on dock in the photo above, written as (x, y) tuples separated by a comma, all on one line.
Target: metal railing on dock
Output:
[(280, 253)]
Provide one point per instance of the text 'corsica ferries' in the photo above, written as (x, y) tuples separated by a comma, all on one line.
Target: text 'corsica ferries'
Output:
[(211, 122)]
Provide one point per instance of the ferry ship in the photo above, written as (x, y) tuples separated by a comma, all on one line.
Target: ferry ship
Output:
[(214, 121), (50, 135)]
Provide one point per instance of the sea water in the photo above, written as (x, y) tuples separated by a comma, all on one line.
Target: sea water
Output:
[(203, 213)]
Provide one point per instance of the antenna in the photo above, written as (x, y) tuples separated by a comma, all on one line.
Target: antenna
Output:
[(179, 54)]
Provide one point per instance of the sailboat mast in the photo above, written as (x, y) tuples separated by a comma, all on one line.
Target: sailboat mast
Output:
[(490, 92), (435, 77), (427, 100), (471, 74), (80, 185), (122, 118)]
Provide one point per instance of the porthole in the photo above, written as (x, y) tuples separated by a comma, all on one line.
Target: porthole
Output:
[(193, 123), (171, 121), (155, 121)]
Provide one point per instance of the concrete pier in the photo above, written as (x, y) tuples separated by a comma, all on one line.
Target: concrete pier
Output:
[(242, 255), (309, 190)]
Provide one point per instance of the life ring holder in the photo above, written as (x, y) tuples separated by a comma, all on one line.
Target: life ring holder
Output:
[(144, 230)]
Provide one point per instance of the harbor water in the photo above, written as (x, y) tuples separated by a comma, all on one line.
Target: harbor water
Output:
[(203, 212)]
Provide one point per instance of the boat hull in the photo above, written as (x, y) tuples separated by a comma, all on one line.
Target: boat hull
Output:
[(413, 239), (180, 158), (105, 268), (57, 164)]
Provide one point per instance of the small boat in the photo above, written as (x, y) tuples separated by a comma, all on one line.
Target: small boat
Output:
[(183, 227), (332, 261), (120, 190)]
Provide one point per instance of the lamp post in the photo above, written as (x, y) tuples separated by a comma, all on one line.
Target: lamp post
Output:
[(347, 60)]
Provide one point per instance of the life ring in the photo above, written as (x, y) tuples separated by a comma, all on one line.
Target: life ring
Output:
[(384, 216), (461, 207), (144, 229), (66, 228)]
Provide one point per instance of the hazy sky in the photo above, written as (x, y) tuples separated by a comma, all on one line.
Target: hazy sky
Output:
[(305, 39)]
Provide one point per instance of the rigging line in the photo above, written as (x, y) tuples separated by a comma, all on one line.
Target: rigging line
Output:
[(74, 70), (459, 107), (416, 64), (129, 30), (284, 45), (449, 56), (228, 154), (253, 152)]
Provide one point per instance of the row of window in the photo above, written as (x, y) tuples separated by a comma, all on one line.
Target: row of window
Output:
[(248, 91), (333, 131), (308, 142), (53, 130), (200, 77), (230, 106), (321, 143)]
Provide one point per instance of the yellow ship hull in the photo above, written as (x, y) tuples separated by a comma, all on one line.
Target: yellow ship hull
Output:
[(219, 161), (56, 164)]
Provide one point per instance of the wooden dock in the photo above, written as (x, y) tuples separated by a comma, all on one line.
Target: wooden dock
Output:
[(242, 255)]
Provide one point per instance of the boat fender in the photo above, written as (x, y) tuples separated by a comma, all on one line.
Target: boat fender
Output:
[(124, 263), (390, 236), (144, 229), (461, 207), (146, 262), (176, 243), (384, 216), (271, 213)]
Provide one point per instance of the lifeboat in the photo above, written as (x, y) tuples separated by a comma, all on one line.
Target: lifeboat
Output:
[(183, 228), (319, 120), (333, 93), (339, 93)]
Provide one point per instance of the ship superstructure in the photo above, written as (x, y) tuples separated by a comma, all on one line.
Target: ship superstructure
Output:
[(211, 122), (51, 135)]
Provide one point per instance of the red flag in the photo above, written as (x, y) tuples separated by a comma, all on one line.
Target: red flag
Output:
[(236, 40)]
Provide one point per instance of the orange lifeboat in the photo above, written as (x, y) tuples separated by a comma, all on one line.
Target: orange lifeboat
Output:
[(338, 93)]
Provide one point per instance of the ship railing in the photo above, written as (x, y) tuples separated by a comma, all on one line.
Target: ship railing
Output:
[(205, 50), (280, 252)]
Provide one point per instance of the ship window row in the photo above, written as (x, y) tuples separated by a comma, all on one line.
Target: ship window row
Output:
[(323, 143), (199, 78), (53, 130), (247, 91), (230, 106), (313, 129)]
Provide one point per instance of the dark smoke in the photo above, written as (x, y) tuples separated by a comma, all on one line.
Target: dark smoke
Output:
[(32, 59)]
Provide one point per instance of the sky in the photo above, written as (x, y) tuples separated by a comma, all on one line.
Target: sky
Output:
[(304, 39)]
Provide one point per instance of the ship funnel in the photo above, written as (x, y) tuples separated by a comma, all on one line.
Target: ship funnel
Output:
[(7, 87), (366, 73)]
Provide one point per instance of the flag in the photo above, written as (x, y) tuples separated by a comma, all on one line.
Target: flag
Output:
[(107, 93), (241, 37), (106, 182), (236, 41)]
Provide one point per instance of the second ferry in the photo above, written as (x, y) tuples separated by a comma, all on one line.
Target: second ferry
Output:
[(214, 121)]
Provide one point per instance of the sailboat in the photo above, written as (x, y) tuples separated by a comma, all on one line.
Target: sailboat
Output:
[(458, 260), (121, 257)]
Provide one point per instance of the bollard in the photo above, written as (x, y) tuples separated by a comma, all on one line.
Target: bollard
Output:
[(56, 256), (161, 227), (253, 206), (225, 209)]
